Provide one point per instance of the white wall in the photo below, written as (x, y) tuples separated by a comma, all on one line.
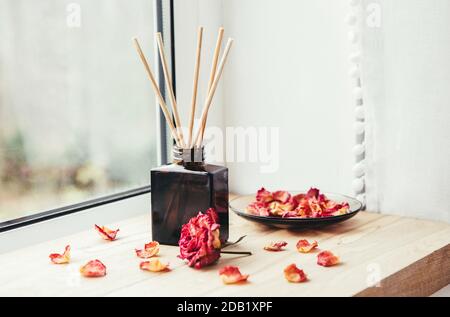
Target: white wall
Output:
[(289, 70), (189, 15)]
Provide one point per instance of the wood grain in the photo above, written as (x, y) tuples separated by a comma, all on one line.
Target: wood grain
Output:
[(409, 257)]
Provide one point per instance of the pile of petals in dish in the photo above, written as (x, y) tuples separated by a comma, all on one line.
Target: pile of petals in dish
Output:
[(313, 204)]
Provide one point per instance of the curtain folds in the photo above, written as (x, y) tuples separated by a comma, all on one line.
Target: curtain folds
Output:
[(406, 83)]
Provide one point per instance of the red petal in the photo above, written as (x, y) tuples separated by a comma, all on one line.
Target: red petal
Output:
[(275, 208), (327, 258), (232, 275), (304, 246), (264, 196), (93, 268), (299, 197), (275, 246), (313, 193), (154, 265), (294, 275), (258, 209), (212, 214), (61, 258), (150, 250), (106, 233), (281, 196)]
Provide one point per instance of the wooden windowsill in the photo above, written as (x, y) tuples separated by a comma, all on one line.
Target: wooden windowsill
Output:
[(409, 256)]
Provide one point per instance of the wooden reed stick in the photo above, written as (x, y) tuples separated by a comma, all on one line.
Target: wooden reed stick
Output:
[(216, 58), (204, 118), (179, 129), (195, 86), (155, 87)]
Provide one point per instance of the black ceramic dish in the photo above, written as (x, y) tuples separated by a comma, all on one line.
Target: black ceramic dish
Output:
[(239, 205)]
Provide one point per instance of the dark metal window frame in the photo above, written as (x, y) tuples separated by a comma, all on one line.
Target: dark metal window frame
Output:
[(74, 208)]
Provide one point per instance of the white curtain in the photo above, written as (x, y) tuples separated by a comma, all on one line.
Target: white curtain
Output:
[(406, 84)]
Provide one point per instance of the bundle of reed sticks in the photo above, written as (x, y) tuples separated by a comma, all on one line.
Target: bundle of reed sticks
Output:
[(173, 118)]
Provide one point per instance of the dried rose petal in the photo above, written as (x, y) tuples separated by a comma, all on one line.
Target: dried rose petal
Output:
[(275, 246), (93, 268), (281, 196), (336, 209), (315, 208), (264, 196), (258, 209), (232, 275), (61, 258), (289, 214), (154, 265), (327, 258), (299, 197), (313, 193), (294, 275), (304, 246), (275, 208), (150, 249), (106, 233)]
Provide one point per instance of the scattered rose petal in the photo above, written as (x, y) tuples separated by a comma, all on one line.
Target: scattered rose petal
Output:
[(61, 258), (275, 246), (232, 275), (294, 275), (150, 250), (327, 258), (106, 233), (93, 268), (154, 265), (304, 246)]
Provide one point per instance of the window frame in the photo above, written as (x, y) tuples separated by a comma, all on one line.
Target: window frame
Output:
[(164, 13)]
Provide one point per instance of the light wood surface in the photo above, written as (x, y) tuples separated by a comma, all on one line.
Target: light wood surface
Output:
[(410, 256)]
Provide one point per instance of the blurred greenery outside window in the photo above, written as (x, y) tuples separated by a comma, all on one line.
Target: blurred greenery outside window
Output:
[(77, 115)]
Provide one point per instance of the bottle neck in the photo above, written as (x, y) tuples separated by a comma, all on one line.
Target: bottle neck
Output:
[(193, 158)]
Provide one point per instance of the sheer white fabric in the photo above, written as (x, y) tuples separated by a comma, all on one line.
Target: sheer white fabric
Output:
[(406, 82)]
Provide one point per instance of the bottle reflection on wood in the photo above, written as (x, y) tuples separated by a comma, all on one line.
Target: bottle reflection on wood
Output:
[(182, 189)]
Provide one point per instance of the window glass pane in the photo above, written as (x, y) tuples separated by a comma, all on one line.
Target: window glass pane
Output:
[(77, 114)]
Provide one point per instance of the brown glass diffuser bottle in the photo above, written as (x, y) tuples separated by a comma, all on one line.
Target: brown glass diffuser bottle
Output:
[(182, 189)]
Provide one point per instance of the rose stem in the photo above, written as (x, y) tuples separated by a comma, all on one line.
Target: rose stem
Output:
[(236, 252)]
